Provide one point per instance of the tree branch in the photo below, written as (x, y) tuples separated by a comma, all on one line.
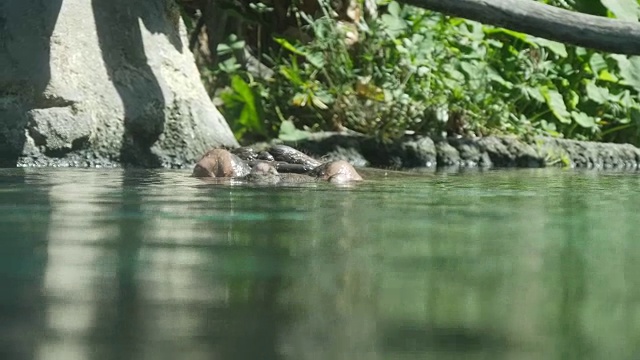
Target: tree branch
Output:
[(541, 20)]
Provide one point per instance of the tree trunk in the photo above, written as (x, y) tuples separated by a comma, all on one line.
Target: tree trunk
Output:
[(537, 19), (101, 82)]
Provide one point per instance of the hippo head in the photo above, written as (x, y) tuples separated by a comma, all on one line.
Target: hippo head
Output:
[(339, 172), (263, 168), (263, 173), (220, 163)]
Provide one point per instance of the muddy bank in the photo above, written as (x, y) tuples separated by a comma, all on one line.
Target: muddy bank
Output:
[(487, 152)]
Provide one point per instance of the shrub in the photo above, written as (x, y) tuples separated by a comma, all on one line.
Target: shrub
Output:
[(416, 71)]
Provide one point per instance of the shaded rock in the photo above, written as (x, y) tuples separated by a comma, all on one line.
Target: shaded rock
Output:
[(350, 154), (510, 152), (589, 155), (334, 146), (447, 155), (414, 152), (292, 156), (472, 153), (108, 80), (419, 153), (58, 131), (463, 153)]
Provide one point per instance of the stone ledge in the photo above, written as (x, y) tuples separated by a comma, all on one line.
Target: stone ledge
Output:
[(487, 152), (421, 153)]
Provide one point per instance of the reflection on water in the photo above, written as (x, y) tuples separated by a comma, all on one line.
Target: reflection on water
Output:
[(115, 264)]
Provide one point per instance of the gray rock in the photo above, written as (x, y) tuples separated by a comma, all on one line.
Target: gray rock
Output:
[(447, 155), (469, 153), (331, 146), (510, 152), (419, 153), (350, 154), (110, 82), (472, 153), (58, 130), (589, 155)]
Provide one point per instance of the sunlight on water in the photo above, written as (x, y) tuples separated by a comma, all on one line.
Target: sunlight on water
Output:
[(157, 265)]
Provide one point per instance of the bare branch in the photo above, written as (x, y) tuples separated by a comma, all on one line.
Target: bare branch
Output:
[(537, 19)]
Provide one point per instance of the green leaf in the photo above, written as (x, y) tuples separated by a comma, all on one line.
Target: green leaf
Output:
[(605, 75), (315, 59), (238, 45), (574, 99), (317, 102), (625, 99), (454, 74), (229, 66), (230, 45), (470, 69), (394, 25), (292, 75), (242, 88), (223, 49), (533, 93), (548, 127), (249, 118), (394, 8), (556, 104), (583, 119), (634, 116), (597, 94), (516, 35), (629, 70), (597, 63), (260, 8), (622, 9), (289, 132), (289, 46), (493, 75), (556, 47)]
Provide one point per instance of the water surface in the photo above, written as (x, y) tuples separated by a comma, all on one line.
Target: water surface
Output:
[(136, 264)]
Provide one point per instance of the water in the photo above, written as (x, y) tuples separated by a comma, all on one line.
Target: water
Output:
[(115, 264)]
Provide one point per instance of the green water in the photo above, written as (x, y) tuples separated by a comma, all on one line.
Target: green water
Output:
[(114, 264)]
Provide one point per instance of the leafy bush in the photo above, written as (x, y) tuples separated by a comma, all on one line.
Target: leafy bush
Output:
[(417, 71)]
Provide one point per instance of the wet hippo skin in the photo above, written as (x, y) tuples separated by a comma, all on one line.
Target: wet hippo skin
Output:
[(336, 172), (295, 167), (220, 163)]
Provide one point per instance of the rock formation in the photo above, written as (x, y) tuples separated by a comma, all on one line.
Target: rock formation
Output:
[(101, 82)]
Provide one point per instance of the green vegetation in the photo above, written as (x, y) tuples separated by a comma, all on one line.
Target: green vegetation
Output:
[(413, 70)]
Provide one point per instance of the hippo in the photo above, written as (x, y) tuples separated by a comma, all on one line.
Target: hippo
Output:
[(281, 164)]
